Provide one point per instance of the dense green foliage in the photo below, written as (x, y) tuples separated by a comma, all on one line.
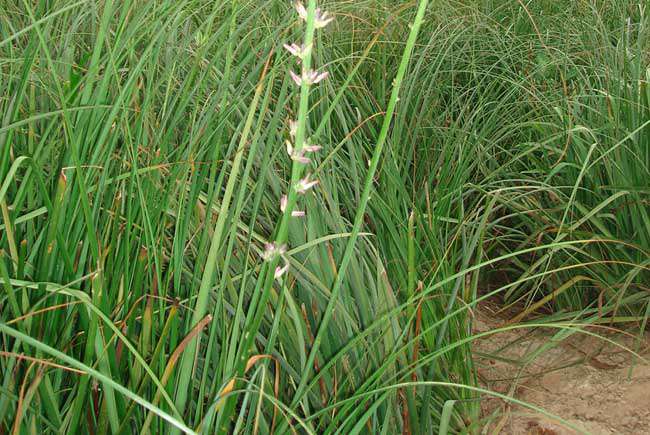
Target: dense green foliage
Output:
[(142, 163)]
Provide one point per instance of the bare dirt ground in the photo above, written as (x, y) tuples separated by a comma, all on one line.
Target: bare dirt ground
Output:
[(596, 386)]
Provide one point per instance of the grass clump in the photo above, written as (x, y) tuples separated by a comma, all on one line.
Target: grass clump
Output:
[(156, 279)]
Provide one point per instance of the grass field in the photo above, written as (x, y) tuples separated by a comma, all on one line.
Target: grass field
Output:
[(157, 273)]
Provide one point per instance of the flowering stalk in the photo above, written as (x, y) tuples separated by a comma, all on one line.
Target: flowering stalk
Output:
[(299, 184), (305, 381), (274, 253), (298, 151)]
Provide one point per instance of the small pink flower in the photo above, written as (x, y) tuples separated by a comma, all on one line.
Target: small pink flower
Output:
[(310, 77), (312, 148), (297, 156), (300, 51), (279, 271), (283, 207), (305, 184), (293, 128), (314, 77), (271, 250), (321, 19), (296, 78), (300, 8)]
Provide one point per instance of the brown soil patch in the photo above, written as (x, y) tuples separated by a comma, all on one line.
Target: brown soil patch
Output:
[(593, 385)]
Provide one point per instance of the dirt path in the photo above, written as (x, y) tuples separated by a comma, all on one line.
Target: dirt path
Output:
[(593, 385)]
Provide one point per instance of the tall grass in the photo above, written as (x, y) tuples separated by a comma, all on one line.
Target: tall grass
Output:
[(470, 149)]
